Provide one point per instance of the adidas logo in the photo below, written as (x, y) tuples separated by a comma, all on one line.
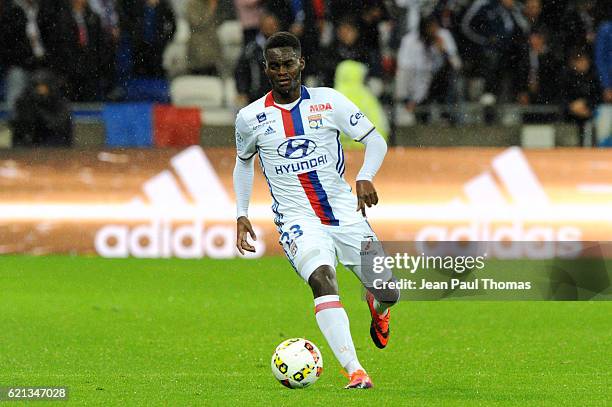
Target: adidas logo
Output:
[(192, 181), (269, 131), (518, 184), (512, 184)]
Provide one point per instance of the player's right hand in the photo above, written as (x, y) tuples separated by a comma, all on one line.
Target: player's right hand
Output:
[(244, 228)]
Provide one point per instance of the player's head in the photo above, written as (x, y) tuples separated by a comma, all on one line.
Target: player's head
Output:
[(284, 62)]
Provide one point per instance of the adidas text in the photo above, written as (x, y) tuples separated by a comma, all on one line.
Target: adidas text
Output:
[(160, 239)]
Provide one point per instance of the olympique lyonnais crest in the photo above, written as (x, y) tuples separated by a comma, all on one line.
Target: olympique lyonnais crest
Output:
[(315, 121)]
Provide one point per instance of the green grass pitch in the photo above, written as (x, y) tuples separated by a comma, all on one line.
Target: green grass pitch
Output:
[(201, 332)]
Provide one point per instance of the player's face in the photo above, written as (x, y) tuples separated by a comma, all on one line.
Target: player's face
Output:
[(284, 70)]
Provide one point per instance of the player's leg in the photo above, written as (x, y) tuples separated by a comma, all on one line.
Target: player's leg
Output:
[(334, 324), (379, 297), (310, 250)]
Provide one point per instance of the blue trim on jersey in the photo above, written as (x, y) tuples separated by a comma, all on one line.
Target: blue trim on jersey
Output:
[(322, 195), (340, 163), (279, 216), (367, 134), (338, 141), (248, 158), (342, 167), (296, 118), (269, 99)]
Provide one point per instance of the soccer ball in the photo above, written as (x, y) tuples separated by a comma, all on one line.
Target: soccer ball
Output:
[(297, 363)]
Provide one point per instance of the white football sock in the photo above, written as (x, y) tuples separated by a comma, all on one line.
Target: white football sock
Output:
[(334, 325), (353, 366)]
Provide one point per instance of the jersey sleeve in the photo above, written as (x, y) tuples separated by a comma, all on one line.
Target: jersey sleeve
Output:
[(245, 140), (349, 119)]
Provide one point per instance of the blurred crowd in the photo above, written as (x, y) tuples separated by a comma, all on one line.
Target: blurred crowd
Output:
[(530, 52)]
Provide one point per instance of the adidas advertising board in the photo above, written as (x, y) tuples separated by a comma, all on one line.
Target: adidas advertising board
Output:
[(179, 203), (160, 238), (510, 181)]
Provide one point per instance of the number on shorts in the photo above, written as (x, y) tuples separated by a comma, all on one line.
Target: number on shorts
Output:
[(297, 231)]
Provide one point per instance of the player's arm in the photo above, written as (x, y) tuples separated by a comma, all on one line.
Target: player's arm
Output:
[(375, 150), (243, 185), (357, 126)]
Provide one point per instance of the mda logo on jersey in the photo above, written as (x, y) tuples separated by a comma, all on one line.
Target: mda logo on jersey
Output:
[(296, 148), (320, 107), (261, 117)]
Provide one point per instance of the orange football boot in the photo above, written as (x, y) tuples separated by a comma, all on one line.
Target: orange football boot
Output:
[(379, 328), (359, 380)]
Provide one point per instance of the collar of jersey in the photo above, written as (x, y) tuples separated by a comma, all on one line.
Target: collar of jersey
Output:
[(270, 99)]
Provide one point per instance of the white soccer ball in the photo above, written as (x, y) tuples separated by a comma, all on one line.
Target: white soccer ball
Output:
[(297, 363)]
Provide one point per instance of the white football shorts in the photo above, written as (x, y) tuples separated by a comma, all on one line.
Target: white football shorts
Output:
[(309, 245)]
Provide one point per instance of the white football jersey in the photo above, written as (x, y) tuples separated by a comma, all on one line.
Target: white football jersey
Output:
[(301, 155)]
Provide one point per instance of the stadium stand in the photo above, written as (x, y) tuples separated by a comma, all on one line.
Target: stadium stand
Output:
[(216, 95), (230, 36), (198, 90)]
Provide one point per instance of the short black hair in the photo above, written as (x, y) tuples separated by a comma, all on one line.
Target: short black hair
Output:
[(283, 39)]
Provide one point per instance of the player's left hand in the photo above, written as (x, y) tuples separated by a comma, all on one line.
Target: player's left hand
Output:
[(366, 195)]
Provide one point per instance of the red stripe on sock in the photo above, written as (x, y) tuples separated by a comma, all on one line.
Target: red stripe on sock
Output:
[(326, 305)]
